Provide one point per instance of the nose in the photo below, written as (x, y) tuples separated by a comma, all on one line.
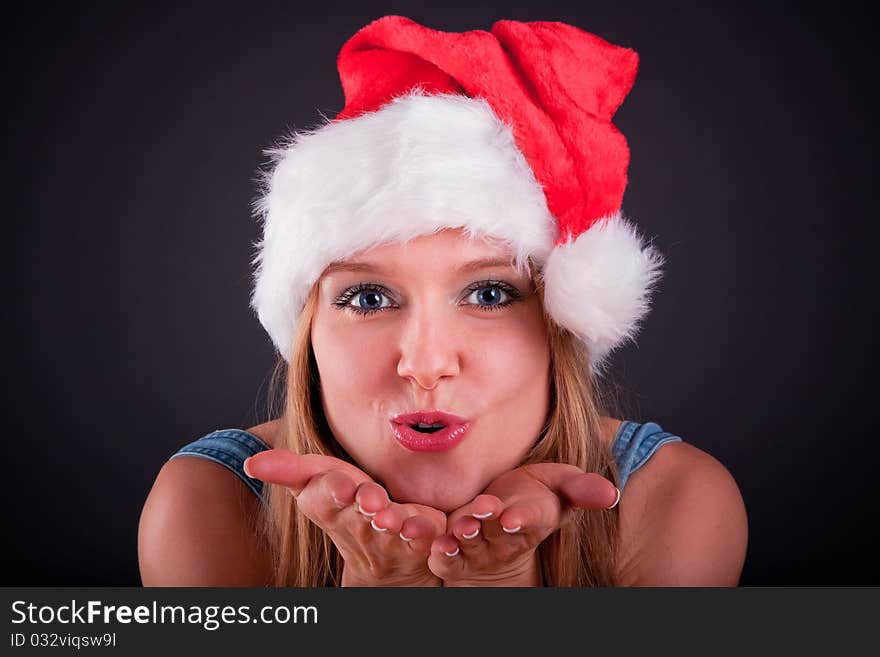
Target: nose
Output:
[(429, 346)]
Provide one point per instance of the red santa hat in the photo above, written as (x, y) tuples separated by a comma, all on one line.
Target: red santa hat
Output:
[(506, 134)]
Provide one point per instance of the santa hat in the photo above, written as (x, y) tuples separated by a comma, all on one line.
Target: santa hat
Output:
[(506, 134)]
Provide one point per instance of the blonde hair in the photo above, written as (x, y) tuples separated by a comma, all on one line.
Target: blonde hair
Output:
[(582, 553)]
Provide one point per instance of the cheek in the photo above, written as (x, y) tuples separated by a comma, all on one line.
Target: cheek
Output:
[(508, 367), (514, 382), (511, 356), (346, 360), (353, 376)]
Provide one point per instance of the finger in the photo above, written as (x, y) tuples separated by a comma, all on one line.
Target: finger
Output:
[(418, 533), (585, 490), (326, 495), (370, 498), (467, 530), (482, 507), (339, 488), (445, 559), (487, 509), (539, 516), (389, 520), (589, 491), (441, 564)]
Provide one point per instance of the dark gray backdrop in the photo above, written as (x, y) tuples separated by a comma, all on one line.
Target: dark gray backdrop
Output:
[(134, 134)]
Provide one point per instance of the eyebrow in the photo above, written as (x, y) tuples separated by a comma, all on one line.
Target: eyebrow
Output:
[(472, 265)]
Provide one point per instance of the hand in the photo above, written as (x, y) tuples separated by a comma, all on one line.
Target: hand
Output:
[(492, 540), (382, 543)]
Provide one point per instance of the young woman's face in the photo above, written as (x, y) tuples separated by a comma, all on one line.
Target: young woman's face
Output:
[(421, 331)]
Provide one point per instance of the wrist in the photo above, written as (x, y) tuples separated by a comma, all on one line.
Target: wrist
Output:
[(521, 575), (354, 579)]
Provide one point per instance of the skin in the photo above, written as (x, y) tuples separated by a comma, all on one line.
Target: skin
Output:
[(402, 518), (468, 516)]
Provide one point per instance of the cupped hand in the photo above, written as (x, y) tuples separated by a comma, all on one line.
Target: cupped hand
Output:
[(382, 543), (492, 540)]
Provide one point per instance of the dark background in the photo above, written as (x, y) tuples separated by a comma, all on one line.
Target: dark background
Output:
[(134, 137)]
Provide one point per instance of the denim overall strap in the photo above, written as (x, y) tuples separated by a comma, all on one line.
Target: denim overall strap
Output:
[(635, 444), (230, 448)]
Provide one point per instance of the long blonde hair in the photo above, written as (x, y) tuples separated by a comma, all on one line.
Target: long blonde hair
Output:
[(582, 553)]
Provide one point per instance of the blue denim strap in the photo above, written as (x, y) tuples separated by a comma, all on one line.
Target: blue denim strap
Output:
[(230, 448), (635, 444)]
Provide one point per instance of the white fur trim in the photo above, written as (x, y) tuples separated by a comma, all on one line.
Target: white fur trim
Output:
[(599, 285), (418, 165)]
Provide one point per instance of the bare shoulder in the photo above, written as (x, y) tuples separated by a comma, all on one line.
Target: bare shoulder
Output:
[(683, 521), (198, 528), (268, 432)]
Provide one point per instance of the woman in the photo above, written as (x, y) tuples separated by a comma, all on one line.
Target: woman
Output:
[(445, 269)]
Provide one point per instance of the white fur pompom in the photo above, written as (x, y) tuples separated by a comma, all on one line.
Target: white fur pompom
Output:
[(599, 285)]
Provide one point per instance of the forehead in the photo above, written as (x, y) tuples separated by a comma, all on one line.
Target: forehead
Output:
[(449, 250)]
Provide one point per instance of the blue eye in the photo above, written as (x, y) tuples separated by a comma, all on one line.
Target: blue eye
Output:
[(492, 295), (363, 299), (369, 298)]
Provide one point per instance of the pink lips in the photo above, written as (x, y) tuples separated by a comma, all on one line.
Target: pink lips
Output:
[(439, 441)]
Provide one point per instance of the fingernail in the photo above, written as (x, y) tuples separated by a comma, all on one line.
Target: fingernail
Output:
[(406, 538), (376, 527), (617, 500), (476, 531), (245, 467), (482, 516), (513, 530), (452, 554), (360, 510)]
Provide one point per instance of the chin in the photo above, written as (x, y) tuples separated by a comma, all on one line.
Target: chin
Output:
[(444, 498)]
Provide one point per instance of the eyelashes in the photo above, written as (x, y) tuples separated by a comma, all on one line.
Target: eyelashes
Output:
[(343, 301)]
